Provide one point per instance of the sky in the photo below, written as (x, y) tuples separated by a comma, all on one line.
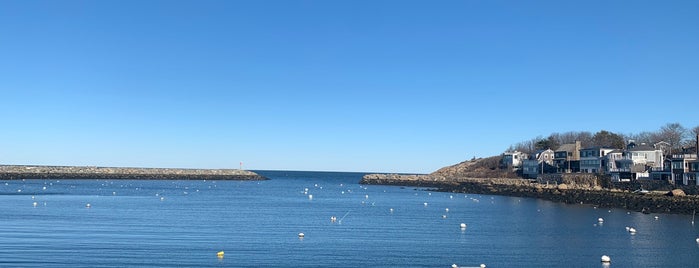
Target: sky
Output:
[(366, 86)]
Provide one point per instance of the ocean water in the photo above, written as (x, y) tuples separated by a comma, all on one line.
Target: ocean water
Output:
[(47, 223)]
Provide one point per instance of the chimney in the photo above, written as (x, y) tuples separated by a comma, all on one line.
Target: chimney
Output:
[(576, 154)]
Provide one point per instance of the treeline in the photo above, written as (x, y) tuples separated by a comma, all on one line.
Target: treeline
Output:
[(676, 135)]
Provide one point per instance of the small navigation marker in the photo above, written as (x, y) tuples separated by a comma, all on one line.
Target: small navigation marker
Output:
[(88, 205), (219, 254)]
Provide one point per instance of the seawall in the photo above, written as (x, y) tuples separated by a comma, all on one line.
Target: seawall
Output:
[(19, 172), (583, 192)]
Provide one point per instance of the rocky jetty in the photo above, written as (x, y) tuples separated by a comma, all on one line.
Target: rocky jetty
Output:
[(575, 190), (17, 172)]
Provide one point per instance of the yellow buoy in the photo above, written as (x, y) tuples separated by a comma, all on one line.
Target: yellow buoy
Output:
[(219, 254)]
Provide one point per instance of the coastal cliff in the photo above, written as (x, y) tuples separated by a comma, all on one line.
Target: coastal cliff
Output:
[(18, 172)]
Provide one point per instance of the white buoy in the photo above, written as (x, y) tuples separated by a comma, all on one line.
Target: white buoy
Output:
[(606, 259), (600, 220), (482, 265), (391, 210), (35, 204), (446, 209), (444, 216), (88, 205), (301, 235), (425, 203), (627, 228), (454, 266), (697, 240), (310, 197), (463, 226), (162, 198), (656, 217), (632, 230)]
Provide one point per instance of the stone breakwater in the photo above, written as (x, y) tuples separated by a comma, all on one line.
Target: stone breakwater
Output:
[(576, 191), (16, 172)]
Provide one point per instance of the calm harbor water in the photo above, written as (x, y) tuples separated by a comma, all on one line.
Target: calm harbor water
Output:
[(47, 223)]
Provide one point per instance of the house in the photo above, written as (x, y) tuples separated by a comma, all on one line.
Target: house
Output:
[(664, 173), (539, 162), (591, 159), (681, 168), (617, 164), (513, 159), (693, 173), (567, 157), (645, 155)]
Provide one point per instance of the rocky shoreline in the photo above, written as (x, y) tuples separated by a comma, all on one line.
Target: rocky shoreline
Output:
[(20, 172), (572, 190)]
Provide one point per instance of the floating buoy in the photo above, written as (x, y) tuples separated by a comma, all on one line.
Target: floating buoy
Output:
[(301, 235), (656, 217), (627, 228), (600, 220), (697, 240), (606, 259), (88, 205), (219, 254), (162, 198), (35, 204), (366, 196), (463, 226), (482, 265), (391, 210), (444, 216), (446, 209), (425, 203), (454, 266), (632, 230), (333, 219), (310, 197)]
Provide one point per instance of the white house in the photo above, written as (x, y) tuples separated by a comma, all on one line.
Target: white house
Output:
[(513, 159), (645, 155)]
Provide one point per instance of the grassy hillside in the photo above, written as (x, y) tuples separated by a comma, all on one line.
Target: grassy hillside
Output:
[(477, 168)]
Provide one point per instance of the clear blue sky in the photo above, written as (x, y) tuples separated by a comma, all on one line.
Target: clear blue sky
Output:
[(380, 86)]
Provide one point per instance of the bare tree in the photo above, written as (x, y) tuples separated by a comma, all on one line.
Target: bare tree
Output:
[(692, 141), (674, 134)]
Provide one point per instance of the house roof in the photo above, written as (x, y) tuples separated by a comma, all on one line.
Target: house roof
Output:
[(569, 147), (642, 148), (597, 148)]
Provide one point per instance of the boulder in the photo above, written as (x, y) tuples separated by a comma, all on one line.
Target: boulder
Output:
[(676, 192), (562, 186)]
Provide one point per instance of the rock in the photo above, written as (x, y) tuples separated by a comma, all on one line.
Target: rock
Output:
[(562, 186), (676, 192)]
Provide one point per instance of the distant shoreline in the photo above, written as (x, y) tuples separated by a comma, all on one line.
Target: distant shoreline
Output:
[(562, 193), (19, 172)]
